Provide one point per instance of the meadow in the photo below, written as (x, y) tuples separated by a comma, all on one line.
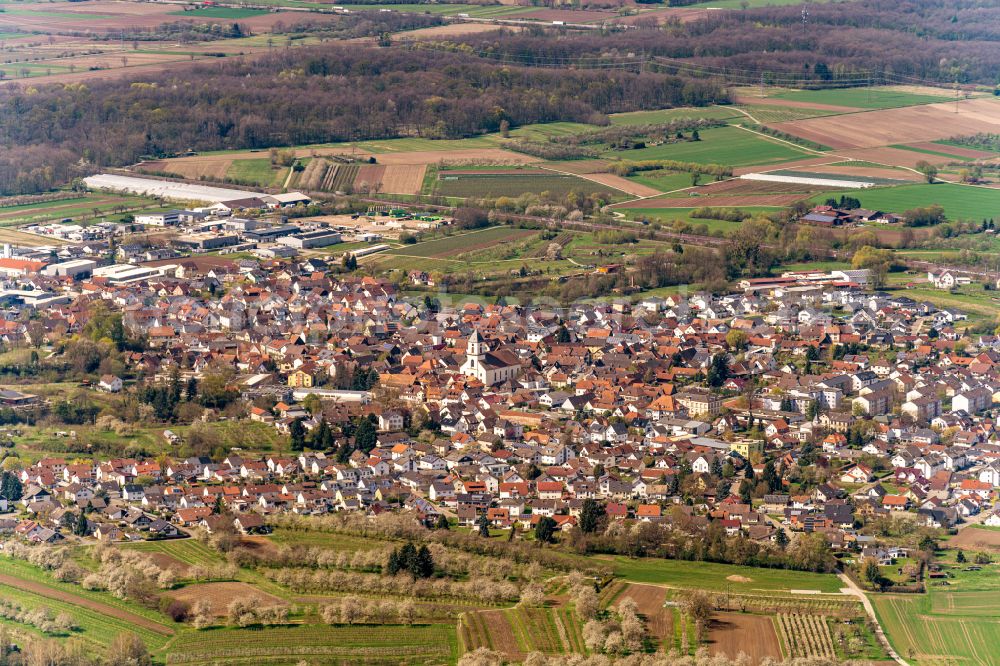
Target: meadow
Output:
[(257, 171), (717, 577), (220, 12), (513, 185), (668, 216), (876, 97), (960, 202), (724, 145)]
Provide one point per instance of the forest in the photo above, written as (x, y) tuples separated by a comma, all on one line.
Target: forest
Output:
[(311, 95), (959, 42)]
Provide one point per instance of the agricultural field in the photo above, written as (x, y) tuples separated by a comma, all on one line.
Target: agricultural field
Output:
[(723, 145), (370, 644), (260, 172), (464, 185), (668, 216), (754, 635), (875, 97), (450, 246), (806, 635), (721, 577), (664, 181), (958, 616), (960, 202), (219, 12), (668, 115), (82, 208), (888, 127)]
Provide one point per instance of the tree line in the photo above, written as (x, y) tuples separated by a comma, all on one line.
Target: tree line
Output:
[(310, 95)]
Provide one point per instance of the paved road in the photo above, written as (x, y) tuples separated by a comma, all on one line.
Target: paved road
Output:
[(850, 587)]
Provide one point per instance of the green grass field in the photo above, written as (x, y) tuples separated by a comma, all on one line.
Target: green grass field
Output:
[(924, 637), (444, 9), (257, 171), (189, 551), (960, 202), (943, 152), (877, 97), (668, 115), (513, 185), (220, 13), (738, 4), (668, 215), (711, 576), (452, 245), (369, 644), (666, 181), (724, 145)]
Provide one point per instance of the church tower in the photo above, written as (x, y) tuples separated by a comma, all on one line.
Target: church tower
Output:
[(474, 350)]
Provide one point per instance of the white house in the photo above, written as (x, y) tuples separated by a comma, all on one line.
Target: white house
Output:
[(110, 384)]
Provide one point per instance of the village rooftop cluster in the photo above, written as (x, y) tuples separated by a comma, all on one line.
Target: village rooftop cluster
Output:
[(788, 407)]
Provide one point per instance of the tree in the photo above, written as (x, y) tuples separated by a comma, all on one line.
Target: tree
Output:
[(442, 522), (545, 530), (871, 572), (718, 371), (423, 563), (365, 436), (928, 170), (10, 487), (322, 436), (590, 515), (312, 404), (737, 339), (191, 390), (297, 431), (780, 538), (771, 477), (81, 527), (960, 557), (127, 649), (876, 261), (484, 526)]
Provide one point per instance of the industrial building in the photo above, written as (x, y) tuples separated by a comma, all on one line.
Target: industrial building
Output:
[(127, 273), (311, 239), (78, 269), (271, 234), (208, 241)]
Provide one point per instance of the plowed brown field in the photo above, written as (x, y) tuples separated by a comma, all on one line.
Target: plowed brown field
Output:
[(975, 538), (927, 122), (403, 178), (650, 599), (733, 633), (220, 595)]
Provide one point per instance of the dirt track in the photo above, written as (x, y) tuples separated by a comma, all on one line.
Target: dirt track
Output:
[(104, 609)]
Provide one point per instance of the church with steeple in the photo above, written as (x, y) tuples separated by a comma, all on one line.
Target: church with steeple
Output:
[(489, 367)]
